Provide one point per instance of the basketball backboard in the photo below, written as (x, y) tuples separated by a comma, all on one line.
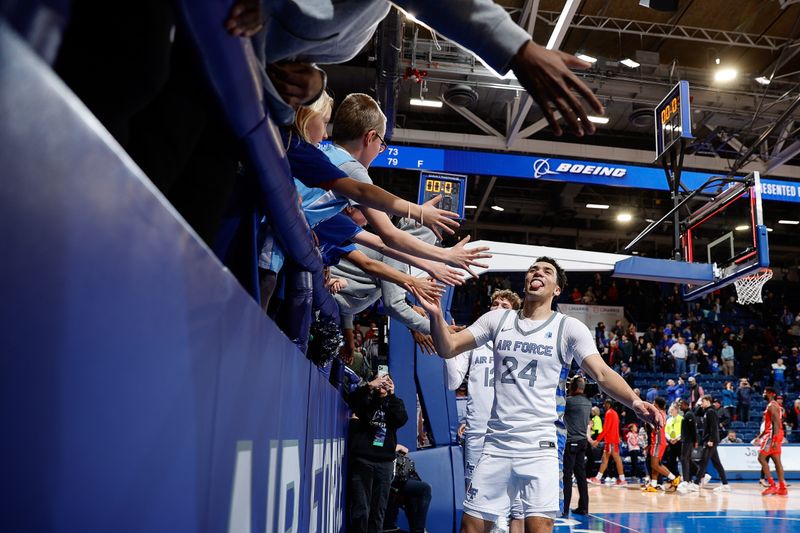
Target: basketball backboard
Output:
[(727, 232), (721, 240)]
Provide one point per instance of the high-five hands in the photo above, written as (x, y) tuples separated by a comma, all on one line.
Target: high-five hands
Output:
[(546, 76)]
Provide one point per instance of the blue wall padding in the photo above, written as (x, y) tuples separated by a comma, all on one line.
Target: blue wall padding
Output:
[(132, 362)]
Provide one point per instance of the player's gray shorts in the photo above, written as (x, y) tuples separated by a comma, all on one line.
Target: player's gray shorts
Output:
[(497, 481)]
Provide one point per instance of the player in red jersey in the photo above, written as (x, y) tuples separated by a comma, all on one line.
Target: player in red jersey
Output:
[(658, 444), (771, 439), (611, 436)]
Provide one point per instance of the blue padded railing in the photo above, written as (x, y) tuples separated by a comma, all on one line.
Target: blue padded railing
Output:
[(233, 73)]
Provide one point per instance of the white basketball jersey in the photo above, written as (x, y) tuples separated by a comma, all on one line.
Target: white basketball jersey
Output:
[(481, 389), (531, 364)]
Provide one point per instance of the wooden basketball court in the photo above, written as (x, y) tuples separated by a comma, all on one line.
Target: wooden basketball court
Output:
[(743, 510)]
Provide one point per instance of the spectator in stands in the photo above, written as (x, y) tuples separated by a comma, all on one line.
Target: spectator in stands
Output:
[(714, 365), (409, 492), (693, 358), (787, 318), (779, 375), (653, 392), (674, 390), (651, 356), (576, 295), (729, 399), (688, 443), (793, 415), (618, 329), (612, 295), (710, 442), (627, 349), (679, 353), (744, 395), (577, 418), (708, 349), (372, 440), (731, 438), (589, 297), (600, 333), (627, 375), (695, 391), (727, 359)]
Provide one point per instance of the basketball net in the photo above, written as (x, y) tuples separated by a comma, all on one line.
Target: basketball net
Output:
[(748, 288)]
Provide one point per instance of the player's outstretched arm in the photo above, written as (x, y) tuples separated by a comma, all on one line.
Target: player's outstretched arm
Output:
[(616, 387), (448, 343)]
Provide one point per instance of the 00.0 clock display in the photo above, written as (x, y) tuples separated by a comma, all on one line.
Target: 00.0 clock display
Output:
[(437, 186)]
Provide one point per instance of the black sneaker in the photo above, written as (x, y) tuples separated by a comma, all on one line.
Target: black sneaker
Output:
[(580, 512)]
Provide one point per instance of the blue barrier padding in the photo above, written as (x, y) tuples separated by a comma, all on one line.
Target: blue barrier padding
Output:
[(435, 396), (663, 270), (401, 367), (141, 389), (435, 465)]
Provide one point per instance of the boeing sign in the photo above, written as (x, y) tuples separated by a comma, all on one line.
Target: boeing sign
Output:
[(541, 168)]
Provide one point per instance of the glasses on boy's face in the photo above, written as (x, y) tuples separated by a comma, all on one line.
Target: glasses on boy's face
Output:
[(383, 143)]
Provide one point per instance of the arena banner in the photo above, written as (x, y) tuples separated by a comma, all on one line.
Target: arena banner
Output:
[(592, 314), (744, 458), (141, 388), (555, 169)]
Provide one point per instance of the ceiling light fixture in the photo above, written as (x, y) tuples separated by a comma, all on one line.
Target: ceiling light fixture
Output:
[(588, 59), (649, 220), (624, 217), (630, 63), (597, 206), (423, 102), (762, 80), (725, 74), (498, 208), (598, 120), (789, 222), (743, 227), (470, 207)]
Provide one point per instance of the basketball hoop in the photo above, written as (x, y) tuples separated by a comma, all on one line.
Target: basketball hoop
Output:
[(748, 288)]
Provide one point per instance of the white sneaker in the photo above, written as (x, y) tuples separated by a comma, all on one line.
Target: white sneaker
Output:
[(694, 487), (722, 488), (706, 478), (683, 487)]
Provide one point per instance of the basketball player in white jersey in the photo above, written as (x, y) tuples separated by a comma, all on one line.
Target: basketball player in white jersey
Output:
[(533, 350), (479, 365)]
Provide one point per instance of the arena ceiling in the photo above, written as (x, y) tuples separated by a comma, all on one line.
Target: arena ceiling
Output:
[(759, 38)]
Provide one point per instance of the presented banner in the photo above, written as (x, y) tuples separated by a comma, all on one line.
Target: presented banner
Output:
[(592, 314)]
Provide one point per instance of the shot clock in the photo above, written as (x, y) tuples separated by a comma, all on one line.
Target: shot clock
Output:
[(672, 118), (452, 187)]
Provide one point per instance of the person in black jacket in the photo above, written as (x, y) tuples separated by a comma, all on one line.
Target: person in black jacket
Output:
[(688, 443), (710, 442), (372, 439)]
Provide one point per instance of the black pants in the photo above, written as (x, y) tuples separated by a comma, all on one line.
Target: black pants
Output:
[(415, 497), (368, 494), (671, 455), (636, 470), (575, 462), (686, 460), (710, 454)]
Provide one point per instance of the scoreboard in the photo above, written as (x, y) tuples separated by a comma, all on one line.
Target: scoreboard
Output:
[(452, 187), (673, 119)]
